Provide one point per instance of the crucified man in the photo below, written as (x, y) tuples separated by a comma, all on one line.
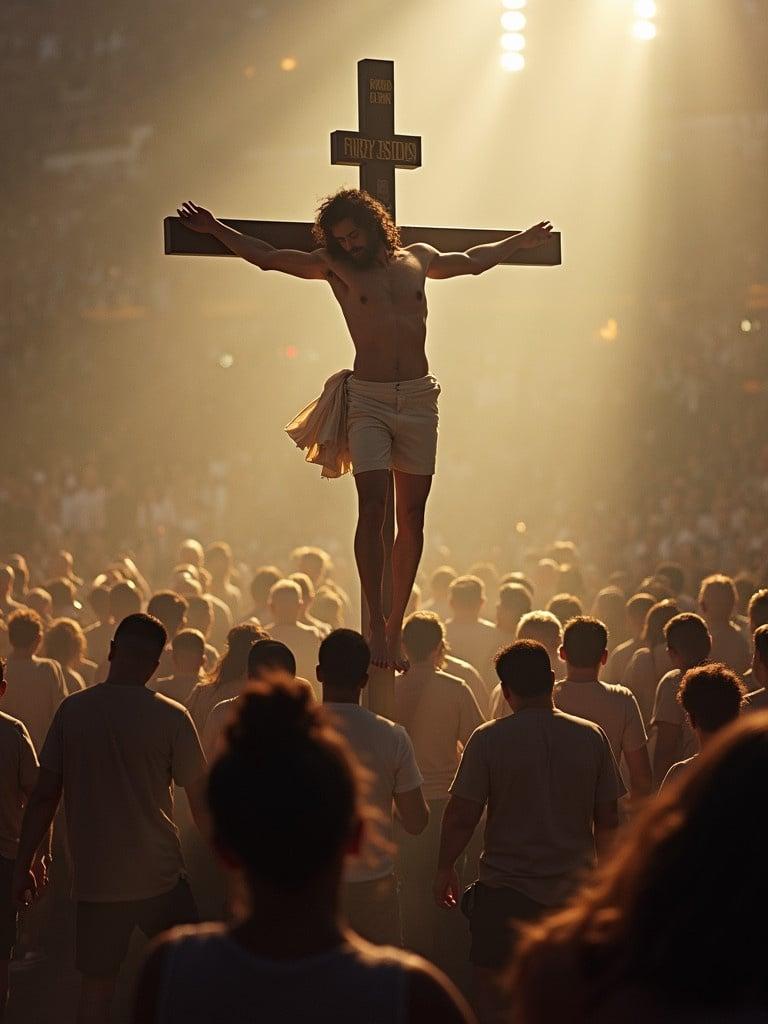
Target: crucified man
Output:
[(391, 398)]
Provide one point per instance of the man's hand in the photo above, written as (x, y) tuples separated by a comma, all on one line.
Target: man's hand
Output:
[(535, 236), (446, 888), (24, 887), (197, 218)]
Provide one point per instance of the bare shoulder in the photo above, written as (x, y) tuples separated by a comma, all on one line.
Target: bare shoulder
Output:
[(423, 251)]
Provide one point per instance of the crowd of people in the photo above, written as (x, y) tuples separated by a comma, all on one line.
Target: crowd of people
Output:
[(539, 820)]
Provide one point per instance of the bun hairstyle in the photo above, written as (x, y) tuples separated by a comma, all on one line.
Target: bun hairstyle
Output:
[(284, 794)]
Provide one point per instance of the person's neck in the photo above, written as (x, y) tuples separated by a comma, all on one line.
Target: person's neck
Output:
[(464, 618), (543, 703), (23, 653), (291, 924), (704, 738), (339, 695), (118, 677), (581, 675)]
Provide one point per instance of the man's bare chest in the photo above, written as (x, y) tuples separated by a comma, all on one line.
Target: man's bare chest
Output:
[(397, 288)]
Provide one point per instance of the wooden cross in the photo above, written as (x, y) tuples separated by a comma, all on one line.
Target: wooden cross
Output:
[(378, 152)]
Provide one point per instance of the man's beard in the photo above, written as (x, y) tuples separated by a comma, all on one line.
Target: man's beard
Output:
[(363, 256)]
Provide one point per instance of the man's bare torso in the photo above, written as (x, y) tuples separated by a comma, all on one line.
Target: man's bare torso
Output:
[(386, 312)]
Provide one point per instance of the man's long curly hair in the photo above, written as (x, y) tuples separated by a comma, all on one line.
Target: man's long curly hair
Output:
[(365, 211)]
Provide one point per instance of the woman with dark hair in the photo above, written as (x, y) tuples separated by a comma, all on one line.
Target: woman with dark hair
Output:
[(230, 676), (673, 927), (285, 808)]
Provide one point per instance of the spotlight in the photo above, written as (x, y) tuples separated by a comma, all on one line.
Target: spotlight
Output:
[(521, 527), (512, 61), (645, 9), (644, 30), (513, 21), (513, 41), (226, 361), (288, 63)]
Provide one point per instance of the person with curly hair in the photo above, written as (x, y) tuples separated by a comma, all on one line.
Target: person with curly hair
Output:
[(382, 415)]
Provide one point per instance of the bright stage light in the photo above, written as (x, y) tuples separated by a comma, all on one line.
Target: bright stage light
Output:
[(746, 326), (644, 30), (645, 9), (513, 41), (514, 5), (226, 361), (512, 61), (513, 21), (288, 63)]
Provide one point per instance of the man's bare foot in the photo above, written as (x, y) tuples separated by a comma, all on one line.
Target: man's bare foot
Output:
[(397, 658), (377, 641)]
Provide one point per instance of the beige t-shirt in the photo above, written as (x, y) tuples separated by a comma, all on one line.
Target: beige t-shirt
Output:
[(385, 749), (98, 637), (304, 643), (177, 686), (731, 647), (468, 673), (18, 771), (642, 676), (618, 662), (439, 711), (477, 643), (666, 708), (119, 749), (540, 772), (219, 718), (36, 687), (613, 708), (205, 696)]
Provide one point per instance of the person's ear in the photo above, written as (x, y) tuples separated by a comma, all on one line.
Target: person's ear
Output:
[(604, 658), (561, 653)]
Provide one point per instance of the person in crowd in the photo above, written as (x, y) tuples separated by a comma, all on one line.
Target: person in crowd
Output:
[(200, 617), (637, 608), (757, 615), (171, 609), (191, 552), (285, 602), (65, 643), (98, 607), (306, 617), (469, 636), (613, 708), (230, 675), (291, 956), (546, 580), (265, 577), (369, 894), (545, 628), (640, 942), (220, 564), (673, 575), (20, 568), (124, 600), (440, 713), (514, 602), (8, 605), (318, 565), (717, 601), (188, 652), (439, 591), (39, 600), (34, 686), (651, 660), (757, 700), (113, 751), (689, 644), (329, 608), (65, 603), (551, 786), (18, 777), (610, 608), (712, 697), (565, 607), (62, 566)]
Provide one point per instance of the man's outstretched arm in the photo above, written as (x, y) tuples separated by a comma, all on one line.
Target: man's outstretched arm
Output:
[(482, 257), (308, 265)]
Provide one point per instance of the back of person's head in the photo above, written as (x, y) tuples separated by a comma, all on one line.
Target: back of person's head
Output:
[(329, 608), (124, 600), (188, 646), (758, 609), (441, 580), (488, 573), (344, 660), (688, 636), (136, 647), (514, 602), (306, 585), (218, 557), (64, 641), (565, 552), (638, 607), (656, 618), (233, 664), (296, 824), (63, 593), (565, 607), (200, 614), (761, 643), (170, 608), (673, 574), (745, 588), (315, 562), (285, 597), (712, 696), (585, 642), (271, 655), (610, 607), (524, 669), (98, 599), (645, 921), (263, 580), (545, 628), (25, 629), (467, 594), (518, 577), (717, 597), (423, 635), (6, 578), (40, 601), (191, 551)]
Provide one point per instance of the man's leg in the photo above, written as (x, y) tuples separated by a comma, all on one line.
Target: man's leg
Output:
[(411, 493), (369, 554)]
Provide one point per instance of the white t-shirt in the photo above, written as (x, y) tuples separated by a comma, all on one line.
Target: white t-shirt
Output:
[(385, 749), (304, 644), (613, 708), (666, 708), (36, 687)]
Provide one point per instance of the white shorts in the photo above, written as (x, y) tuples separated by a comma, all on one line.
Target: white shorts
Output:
[(393, 425)]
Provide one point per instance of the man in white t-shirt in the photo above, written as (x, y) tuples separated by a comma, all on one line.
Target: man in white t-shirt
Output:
[(637, 608), (370, 893), (712, 697), (544, 628), (114, 752), (285, 600), (471, 637), (613, 708), (551, 786)]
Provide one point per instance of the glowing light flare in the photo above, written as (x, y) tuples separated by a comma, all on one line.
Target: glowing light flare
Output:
[(644, 30), (646, 9), (288, 64), (520, 527), (226, 361), (513, 21), (514, 41), (512, 61), (291, 352), (609, 331)]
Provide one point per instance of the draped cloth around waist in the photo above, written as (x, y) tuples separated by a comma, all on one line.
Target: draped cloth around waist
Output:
[(321, 428)]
